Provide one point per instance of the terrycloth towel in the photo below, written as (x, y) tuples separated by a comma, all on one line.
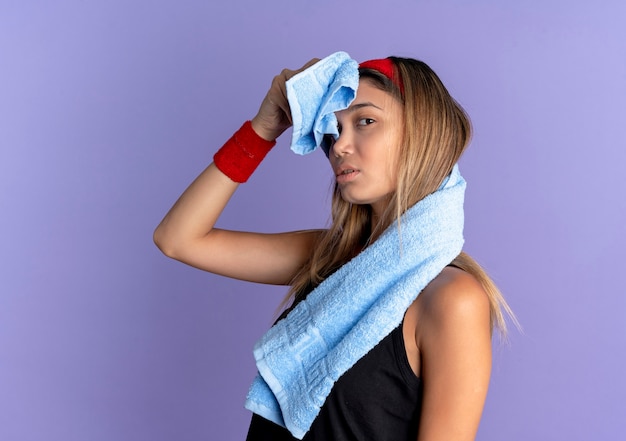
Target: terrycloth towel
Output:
[(314, 96), (300, 357)]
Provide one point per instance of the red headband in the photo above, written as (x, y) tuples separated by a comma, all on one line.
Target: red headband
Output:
[(386, 67)]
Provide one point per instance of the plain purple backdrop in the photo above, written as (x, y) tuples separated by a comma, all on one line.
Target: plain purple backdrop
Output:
[(109, 109)]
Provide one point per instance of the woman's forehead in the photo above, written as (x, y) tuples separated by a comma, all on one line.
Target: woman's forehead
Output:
[(369, 95)]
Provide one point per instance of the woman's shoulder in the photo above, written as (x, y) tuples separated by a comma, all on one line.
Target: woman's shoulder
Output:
[(454, 289), (454, 302)]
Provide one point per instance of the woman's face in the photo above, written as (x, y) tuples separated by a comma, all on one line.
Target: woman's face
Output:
[(364, 157)]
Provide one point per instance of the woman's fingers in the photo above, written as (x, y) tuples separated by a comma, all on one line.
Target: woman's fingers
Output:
[(274, 116)]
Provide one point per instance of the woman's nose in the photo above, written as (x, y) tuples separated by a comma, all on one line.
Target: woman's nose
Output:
[(342, 145)]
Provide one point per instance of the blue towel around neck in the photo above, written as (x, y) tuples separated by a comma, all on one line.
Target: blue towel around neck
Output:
[(302, 356), (315, 94)]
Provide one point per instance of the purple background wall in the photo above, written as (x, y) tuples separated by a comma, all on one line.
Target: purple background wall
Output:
[(108, 110)]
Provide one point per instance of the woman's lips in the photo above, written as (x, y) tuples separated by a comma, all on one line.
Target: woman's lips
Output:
[(347, 175)]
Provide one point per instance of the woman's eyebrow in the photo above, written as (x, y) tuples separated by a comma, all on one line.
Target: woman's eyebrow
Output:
[(354, 107)]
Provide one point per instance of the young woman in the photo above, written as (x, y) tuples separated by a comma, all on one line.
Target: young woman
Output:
[(399, 140)]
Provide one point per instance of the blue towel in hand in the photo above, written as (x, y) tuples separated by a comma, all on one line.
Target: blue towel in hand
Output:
[(314, 96), (300, 357)]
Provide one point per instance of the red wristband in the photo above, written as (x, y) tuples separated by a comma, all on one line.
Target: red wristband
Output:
[(242, 153)]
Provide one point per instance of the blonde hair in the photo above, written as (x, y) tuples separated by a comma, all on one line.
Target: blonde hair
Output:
[(436, 132)]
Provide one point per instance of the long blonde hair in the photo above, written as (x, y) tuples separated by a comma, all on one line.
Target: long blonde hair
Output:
[(436, 132)]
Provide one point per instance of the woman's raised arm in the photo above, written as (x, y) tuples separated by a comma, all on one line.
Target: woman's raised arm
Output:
[(187, 231)]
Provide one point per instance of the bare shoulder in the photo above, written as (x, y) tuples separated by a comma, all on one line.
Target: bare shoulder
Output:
[(453, 293), (454, 302)]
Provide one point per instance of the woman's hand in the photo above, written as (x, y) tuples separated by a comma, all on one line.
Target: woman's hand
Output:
[(274, 115)]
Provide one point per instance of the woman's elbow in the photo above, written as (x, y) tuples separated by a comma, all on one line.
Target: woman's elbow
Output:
[(164, 242)]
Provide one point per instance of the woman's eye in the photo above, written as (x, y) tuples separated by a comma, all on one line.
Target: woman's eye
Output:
[(365, 121)]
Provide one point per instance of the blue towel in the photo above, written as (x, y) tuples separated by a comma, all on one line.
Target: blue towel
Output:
[(314, 96), (300, 357)]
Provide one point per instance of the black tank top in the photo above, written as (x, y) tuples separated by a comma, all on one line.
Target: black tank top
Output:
[(379, 399)]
